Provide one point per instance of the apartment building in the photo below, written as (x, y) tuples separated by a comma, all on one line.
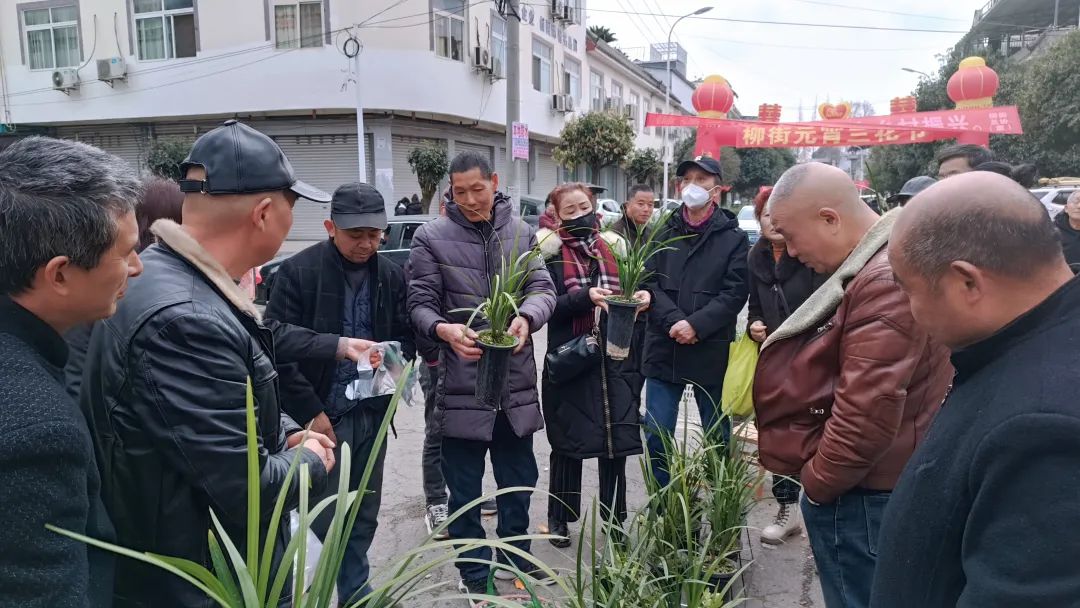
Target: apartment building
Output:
[(121, 74)]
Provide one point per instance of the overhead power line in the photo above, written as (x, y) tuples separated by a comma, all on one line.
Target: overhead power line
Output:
[(845, 26)]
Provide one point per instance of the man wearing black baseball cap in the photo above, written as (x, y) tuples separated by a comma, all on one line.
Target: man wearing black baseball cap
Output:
[(341, 285), (168, 376), (700, 283)]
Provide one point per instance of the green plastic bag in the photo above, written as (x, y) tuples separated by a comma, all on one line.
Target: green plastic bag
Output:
[(737, 398)]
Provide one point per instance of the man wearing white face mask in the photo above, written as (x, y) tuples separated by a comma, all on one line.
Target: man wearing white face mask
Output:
[(699, 285)]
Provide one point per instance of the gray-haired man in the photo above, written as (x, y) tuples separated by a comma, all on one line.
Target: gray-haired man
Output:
[(67, 248)]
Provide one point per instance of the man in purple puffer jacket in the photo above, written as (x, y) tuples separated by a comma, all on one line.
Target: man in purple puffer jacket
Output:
[(450, 267)]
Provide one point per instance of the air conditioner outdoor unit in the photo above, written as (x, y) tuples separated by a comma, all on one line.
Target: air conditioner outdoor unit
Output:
[(568, 14), (481, 59), (65, 80), (611, 104), (629, 110), (569, 103), (113, 68)]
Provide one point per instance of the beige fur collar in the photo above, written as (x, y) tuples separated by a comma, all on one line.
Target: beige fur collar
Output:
[(823, 302), (551, 244), (188, 248)]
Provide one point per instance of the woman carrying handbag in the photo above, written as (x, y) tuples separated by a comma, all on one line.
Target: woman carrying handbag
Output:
[(590, 409)]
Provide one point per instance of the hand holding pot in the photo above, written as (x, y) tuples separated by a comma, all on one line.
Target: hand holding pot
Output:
[(597, 295), (519, 328), (461, 339), (646, 300)]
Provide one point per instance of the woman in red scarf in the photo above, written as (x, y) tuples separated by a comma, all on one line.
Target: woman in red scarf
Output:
[(581, 423)]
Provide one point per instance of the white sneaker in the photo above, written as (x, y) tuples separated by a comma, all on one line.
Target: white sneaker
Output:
[(787, 523), (435, 516)]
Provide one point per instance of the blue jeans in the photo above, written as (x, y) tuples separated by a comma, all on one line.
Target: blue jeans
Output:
[(514, 464), (661, 413), (844, 539)]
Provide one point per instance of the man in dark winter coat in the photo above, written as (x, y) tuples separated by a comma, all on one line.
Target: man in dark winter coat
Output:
[(699, 286), (342, 286), (982, 515), (1068, 225), (451, 264), (67, 249), (167, 376)]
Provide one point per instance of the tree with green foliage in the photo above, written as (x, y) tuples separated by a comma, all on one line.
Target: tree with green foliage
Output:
[(603, 33), (596, 140), (165, 156), (645, 166), (761, 167), (429, 163), (1046, 90)]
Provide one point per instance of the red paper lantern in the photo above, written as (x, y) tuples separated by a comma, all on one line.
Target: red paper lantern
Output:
[(903, 105), (769, 112), (713, 98), (973, 85)]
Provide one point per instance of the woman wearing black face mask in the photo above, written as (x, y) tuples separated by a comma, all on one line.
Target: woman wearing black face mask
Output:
[(581, 423)]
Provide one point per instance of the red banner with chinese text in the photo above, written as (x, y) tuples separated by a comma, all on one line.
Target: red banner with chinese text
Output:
[(920, 127)]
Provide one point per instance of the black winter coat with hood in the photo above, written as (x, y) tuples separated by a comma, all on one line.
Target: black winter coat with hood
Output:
[(579, 422), (702, 279), (777, 289)]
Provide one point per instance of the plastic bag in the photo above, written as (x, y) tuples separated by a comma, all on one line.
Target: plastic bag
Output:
[(384, 379), (737, 398)]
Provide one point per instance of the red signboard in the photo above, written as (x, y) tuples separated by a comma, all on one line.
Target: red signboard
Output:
[(919, 127)]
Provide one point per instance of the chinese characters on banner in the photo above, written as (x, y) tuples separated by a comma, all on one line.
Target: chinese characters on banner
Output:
[(919, 127)]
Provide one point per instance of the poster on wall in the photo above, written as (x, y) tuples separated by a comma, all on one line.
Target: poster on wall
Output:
[(520, 141)]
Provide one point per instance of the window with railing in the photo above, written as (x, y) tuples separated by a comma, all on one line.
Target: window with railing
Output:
[(164, 29), (596, 91), (52, 37)]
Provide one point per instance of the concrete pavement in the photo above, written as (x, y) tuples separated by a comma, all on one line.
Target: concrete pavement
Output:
[(782, 577)]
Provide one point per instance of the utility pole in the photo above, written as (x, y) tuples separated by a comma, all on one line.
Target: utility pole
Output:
[(513, 100), (352, 49)]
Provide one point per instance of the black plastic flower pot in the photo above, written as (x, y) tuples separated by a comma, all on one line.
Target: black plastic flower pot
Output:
[(493, 372), (620, 327)]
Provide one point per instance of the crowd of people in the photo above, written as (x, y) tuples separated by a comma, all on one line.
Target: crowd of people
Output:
[(911, 392)]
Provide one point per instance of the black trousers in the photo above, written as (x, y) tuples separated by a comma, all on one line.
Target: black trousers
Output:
[(514, 465), (431, 460), (564, 504), (786, 489)]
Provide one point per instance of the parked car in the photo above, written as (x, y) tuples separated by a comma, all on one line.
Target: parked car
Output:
[(531, 208), (609, 210), (1054, 197), (749, 223), (395, 246)]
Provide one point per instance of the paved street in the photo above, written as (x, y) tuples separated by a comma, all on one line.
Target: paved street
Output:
[(778, 578)]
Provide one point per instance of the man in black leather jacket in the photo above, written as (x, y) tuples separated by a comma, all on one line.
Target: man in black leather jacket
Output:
[(167, 376)]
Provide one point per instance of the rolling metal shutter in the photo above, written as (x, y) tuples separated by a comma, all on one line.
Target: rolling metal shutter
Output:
[(369, 157), (405, 182), (500, 162), (547, 173), (129, 142), (326, 162), (481, 149)]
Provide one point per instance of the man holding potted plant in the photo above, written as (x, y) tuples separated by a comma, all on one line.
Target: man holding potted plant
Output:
[(847, 386), (479, 262), (342, 286), (699, 284)]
